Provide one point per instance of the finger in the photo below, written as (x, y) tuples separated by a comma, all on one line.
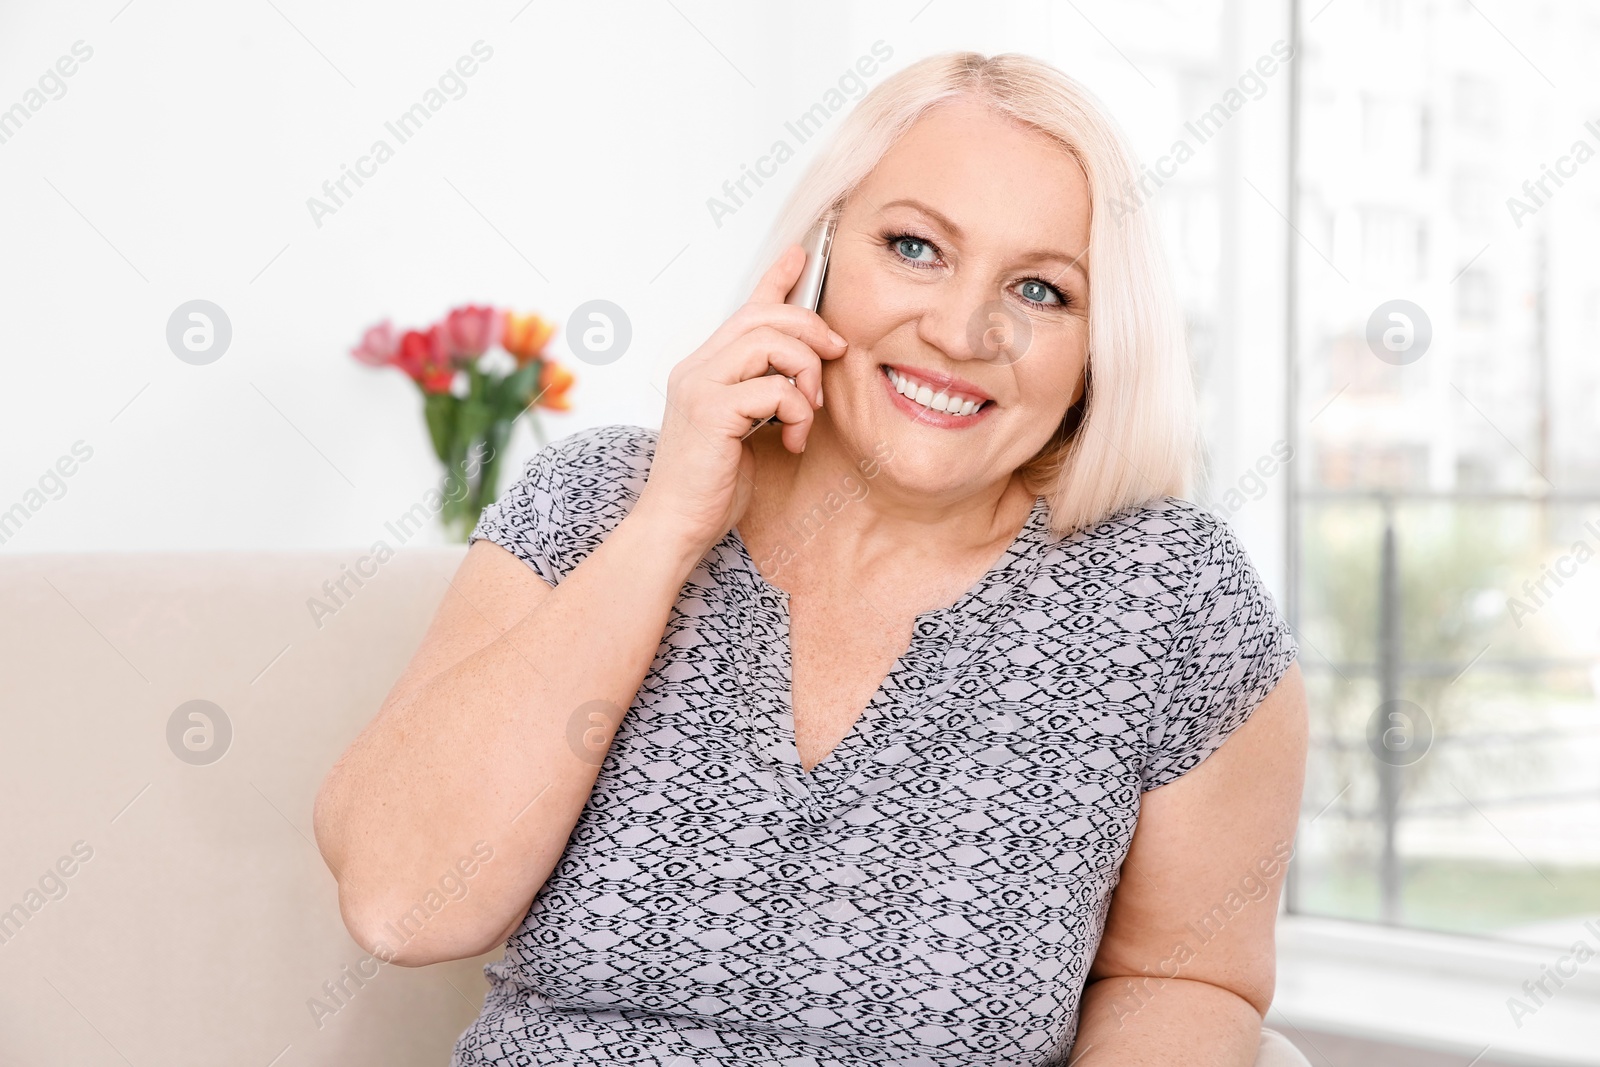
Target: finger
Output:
[(764, 397), (780, 277), (751, 355), (794, 435), (798, 322)]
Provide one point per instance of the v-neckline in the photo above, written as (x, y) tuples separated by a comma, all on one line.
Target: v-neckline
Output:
[(933, 632)]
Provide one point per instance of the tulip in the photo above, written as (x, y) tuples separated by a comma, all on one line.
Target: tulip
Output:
[(525, 336), (469, 331), (378, 347), (422, 356), (438, 378), (416, 348), (554, 381)]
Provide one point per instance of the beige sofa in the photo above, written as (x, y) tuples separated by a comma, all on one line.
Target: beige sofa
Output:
[(203, 926), (167, 907)]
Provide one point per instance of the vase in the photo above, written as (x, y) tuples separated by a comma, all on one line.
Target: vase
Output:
[(469, 435)]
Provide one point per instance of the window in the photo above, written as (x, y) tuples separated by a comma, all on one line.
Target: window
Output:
[(1446, 576)]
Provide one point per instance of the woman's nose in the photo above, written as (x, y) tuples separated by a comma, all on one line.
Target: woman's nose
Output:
[(973, 321)]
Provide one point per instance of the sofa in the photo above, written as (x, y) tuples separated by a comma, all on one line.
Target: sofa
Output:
[(170, 717)]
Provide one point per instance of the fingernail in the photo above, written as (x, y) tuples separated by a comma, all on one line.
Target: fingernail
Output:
[(840, 341), (819, 394)]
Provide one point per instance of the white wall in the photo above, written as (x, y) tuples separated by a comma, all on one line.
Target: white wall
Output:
[(178, 164)]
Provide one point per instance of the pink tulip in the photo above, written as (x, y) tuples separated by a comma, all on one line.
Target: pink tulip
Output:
[(378, 346), (470, 331)]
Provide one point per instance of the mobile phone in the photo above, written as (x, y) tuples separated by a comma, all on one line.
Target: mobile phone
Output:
[(807, 291)]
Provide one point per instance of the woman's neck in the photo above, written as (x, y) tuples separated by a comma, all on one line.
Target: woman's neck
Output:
[(828, 510)]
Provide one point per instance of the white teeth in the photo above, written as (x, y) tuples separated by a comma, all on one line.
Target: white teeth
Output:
[(924, 395)]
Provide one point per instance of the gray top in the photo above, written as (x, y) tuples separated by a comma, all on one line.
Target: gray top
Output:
[(934, 891)]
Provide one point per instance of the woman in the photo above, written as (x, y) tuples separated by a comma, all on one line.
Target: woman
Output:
[(883, 733)]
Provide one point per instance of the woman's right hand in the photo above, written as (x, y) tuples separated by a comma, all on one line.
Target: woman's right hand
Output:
[(701, 478)]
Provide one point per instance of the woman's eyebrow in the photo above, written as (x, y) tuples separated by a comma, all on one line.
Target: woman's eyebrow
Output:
[(936, 215), (1045, 255), (1038, 255)]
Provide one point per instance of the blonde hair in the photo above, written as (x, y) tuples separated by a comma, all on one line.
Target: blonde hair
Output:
[(1132, 435)]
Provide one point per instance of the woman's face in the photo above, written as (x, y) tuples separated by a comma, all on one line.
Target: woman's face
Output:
[(960, 267)]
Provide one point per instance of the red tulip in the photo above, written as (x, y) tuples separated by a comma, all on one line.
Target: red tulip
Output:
[(422, 356), (470, 331), (416, 348), (378, 347)]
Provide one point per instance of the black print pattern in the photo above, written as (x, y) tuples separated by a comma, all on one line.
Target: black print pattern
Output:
[(934, 891)]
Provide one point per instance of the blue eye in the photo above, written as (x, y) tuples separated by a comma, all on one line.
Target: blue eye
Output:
[(1038, 292), (921, 253), (912, 247)]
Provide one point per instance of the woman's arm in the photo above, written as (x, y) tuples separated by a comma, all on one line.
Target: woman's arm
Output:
[(1186, 966), (494, 736), (478, 741)]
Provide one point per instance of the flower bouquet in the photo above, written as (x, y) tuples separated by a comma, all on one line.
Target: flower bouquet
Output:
[(473, 394)]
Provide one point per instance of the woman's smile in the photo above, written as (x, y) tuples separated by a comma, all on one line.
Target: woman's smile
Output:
[(935, 399)]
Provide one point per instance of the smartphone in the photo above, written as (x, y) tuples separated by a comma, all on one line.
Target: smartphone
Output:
[(807, 291)]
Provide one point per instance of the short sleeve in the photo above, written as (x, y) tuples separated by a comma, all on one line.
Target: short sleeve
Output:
[(569, 496), (1232, 647)]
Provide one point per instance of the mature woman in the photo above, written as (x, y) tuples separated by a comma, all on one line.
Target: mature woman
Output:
[(926, 724)]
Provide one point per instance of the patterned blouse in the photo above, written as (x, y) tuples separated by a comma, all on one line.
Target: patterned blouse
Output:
[(934, 891)]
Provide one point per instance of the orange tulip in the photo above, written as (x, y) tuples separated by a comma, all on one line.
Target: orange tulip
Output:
[(525, 336), (554, 381)]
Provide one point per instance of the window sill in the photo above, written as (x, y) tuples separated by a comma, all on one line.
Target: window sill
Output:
[(1437, 991)]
